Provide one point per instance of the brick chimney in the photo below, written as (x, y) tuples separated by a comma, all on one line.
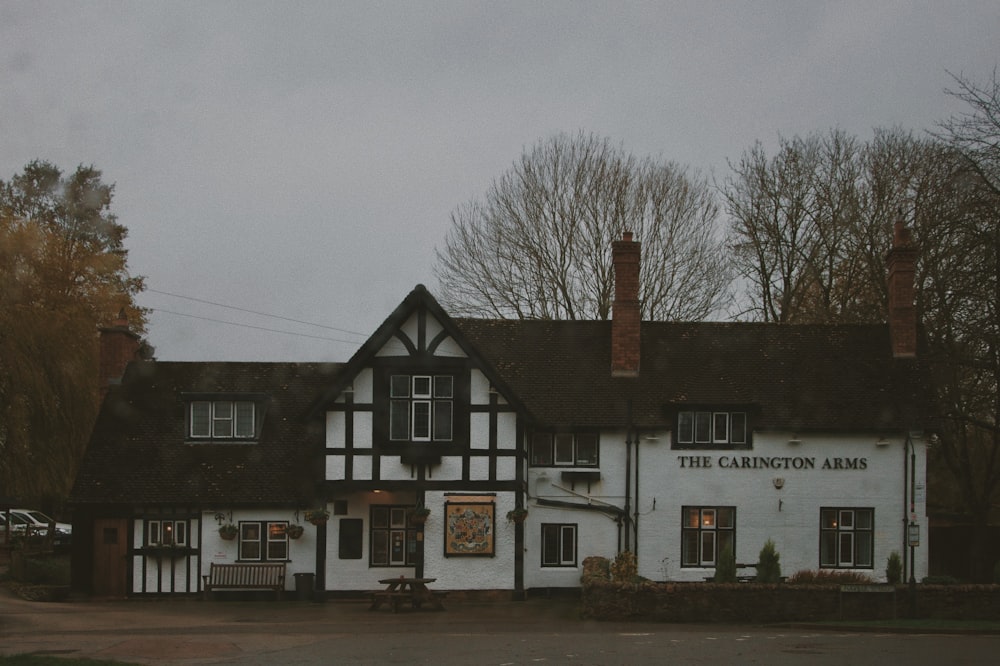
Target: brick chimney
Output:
[(902, 261), (625, 309), (119, 345)]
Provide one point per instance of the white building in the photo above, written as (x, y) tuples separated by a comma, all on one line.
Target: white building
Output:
[(671, 440)]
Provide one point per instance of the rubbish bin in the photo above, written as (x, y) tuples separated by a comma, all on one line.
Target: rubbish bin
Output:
[(304, 583)]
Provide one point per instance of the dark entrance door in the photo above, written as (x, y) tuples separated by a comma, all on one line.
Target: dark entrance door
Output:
[(110, 562)]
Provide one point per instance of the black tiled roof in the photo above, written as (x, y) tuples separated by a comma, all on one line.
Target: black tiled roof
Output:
[(137, 452), (799, 377)]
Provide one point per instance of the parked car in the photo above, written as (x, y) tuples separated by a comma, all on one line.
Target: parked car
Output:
[(21, 519)]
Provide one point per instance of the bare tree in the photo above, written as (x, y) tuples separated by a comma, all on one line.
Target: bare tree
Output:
[(538, 244), (963, 301)]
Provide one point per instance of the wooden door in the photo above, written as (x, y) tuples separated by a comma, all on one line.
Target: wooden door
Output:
[(110, 561)]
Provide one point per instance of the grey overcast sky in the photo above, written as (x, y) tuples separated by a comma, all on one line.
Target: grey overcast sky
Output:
[(301, 159)]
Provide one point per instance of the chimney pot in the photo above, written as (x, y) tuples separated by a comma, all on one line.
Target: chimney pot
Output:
[(625, 319), (902, 261), (118, 346)]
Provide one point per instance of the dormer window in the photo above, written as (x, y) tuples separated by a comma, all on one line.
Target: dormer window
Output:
[(222, 419), (712, 429), (421, 408), (564, 449)]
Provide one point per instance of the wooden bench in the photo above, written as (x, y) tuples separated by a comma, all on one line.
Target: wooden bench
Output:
[(245, 576)]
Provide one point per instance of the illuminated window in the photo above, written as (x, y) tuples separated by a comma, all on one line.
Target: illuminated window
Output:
[(263, 541), (705, 532), (166, 533)]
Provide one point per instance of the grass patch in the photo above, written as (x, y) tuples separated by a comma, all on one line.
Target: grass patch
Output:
[(920, 624), (49, 660)]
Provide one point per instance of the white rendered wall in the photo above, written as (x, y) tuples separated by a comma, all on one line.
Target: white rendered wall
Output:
[(789, 516), (301, 551), (469, 572), (597, 532)]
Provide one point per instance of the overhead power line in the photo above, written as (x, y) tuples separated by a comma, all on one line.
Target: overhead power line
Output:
[(258, 328), (255, 312)]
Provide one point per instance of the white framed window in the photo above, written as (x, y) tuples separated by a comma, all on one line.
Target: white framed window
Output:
[(166, 533), (222, 419), (558, 545), (421, 408), (564, 449), (846, 538), (705, 532), (711, 428), (393, 539), (263, 541)]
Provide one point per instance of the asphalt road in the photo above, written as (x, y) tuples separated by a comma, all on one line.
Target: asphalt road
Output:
[(507, 633)]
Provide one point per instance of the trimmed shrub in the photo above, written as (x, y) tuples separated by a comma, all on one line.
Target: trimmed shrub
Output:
[(829, 577), (894, 569), (596, 569), (768, 564), (624, 569), (725, 566), (42, 570), (940, 580)]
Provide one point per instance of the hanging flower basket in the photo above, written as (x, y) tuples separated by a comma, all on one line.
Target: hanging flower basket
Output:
[(294, 531), (517, 515), (228, 531), (317, 516), (418, 516)]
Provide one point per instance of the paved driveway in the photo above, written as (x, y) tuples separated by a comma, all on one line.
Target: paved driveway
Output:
[(506, 633)]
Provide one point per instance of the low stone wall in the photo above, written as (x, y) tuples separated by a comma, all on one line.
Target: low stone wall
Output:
[(753, 603)]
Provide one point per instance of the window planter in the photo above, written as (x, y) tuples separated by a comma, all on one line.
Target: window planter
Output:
[(517, 515), (167, 551)]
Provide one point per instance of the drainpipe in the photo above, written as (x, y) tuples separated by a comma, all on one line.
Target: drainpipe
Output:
[(628, 471), (635, 520), (905, 521)]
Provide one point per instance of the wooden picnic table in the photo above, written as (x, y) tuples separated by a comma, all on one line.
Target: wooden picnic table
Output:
[(414, 590)]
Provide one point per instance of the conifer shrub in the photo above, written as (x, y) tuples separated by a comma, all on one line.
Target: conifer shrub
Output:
[(768, 564), (894, 569), (725, 566)]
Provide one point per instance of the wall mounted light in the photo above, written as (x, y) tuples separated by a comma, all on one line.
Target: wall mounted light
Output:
[(881, 441), (795, 441)]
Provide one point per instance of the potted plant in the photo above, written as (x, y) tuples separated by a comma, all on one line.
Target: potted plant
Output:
[(418, 516), (517, 515), (228, 531), (317, 516), (294, 531)]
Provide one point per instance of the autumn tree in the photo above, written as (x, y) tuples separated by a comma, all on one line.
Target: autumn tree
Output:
[(63, 273), (537, 245)]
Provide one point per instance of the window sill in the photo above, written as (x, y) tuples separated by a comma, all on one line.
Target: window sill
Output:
[(219, 440), (581, 476)]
